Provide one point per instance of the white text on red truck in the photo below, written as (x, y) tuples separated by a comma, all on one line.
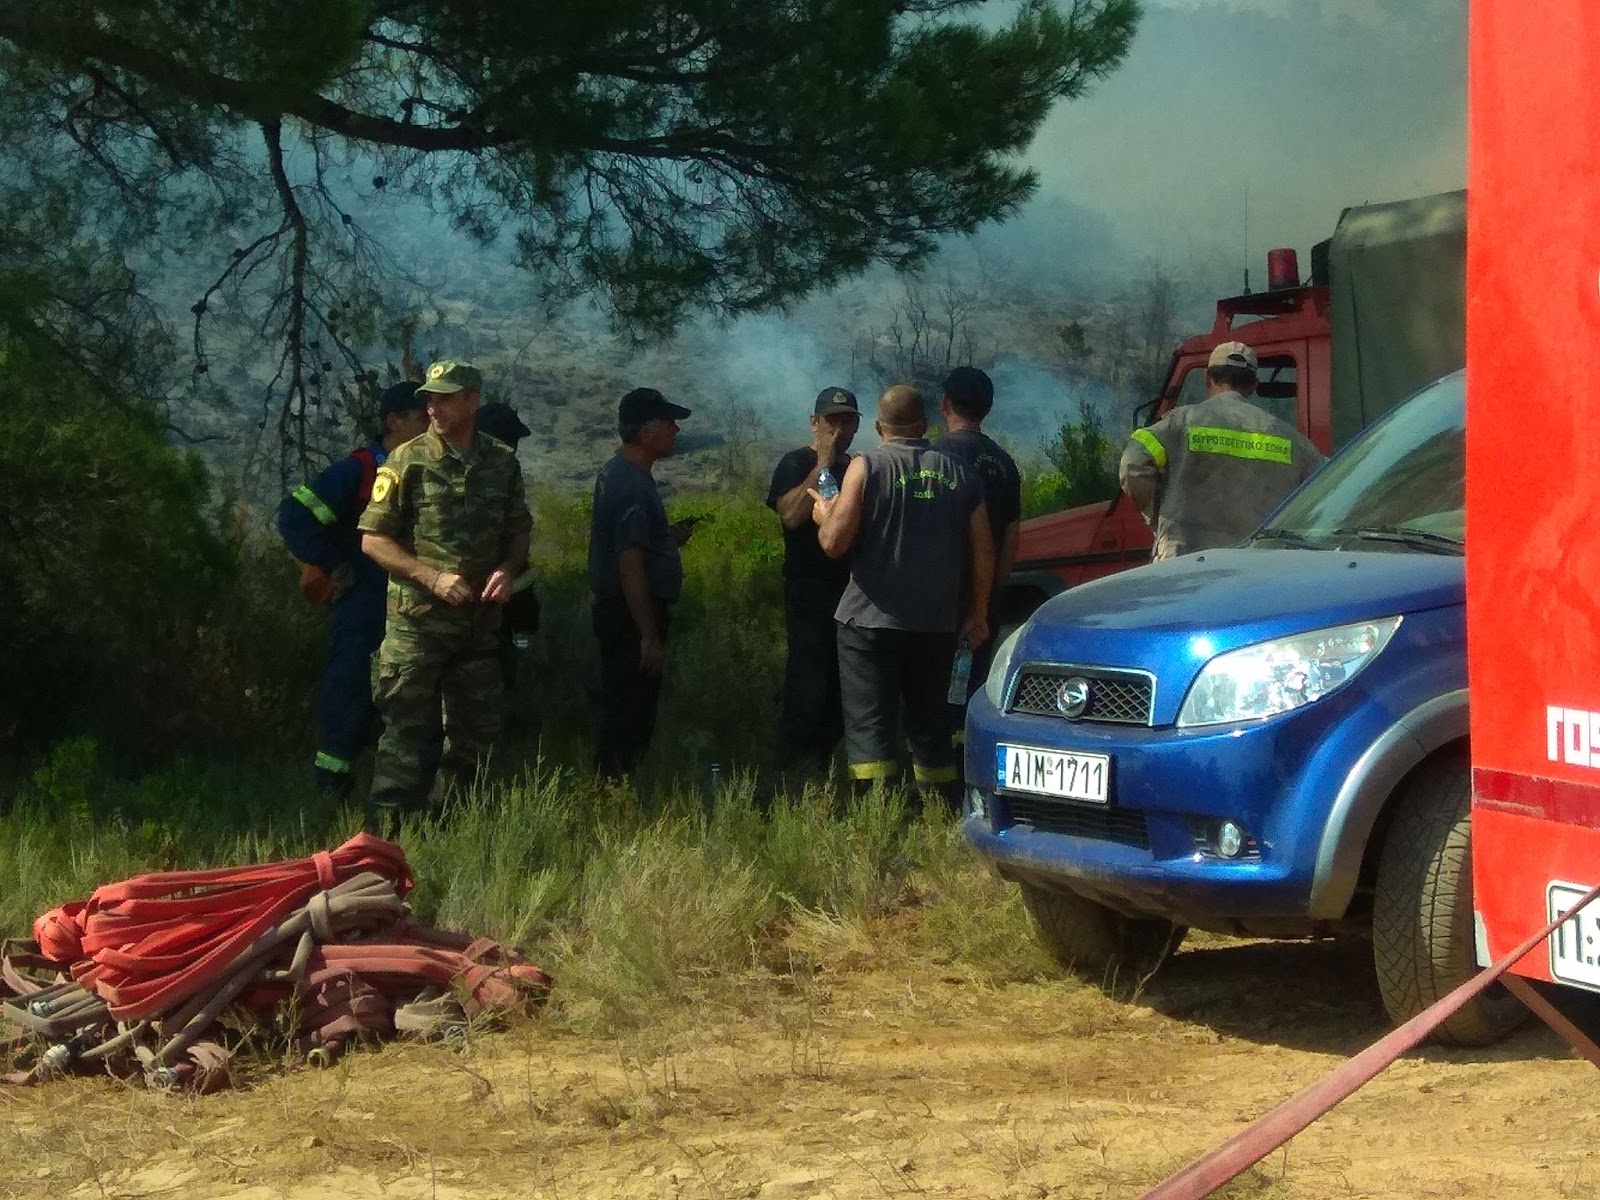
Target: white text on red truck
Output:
[(1572, 735)]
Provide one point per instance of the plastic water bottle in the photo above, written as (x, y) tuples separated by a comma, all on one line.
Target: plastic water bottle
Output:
[(960, 673), (827, 485)]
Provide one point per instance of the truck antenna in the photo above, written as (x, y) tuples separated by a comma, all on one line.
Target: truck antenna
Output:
[(1246, 237)]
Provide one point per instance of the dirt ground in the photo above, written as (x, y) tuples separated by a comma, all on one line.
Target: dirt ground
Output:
[(865, 1083)]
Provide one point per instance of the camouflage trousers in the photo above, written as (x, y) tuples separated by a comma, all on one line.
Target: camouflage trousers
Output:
[(439, 692)]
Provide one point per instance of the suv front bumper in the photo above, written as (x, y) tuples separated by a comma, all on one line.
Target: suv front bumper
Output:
[(1150, 850)]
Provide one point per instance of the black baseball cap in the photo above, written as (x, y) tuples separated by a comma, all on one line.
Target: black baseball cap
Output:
[(970, 386), (835, 401), (499, 420), (647, 404), (401, 397)]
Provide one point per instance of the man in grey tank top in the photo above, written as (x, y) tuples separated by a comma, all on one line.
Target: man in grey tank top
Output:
[(912, 518)]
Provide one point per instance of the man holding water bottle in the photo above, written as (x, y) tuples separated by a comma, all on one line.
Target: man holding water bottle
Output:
[(913, 520), (968, 399), (812, 722)]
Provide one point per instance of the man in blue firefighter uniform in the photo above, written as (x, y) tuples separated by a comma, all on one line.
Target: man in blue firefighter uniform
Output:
[(317, 521)]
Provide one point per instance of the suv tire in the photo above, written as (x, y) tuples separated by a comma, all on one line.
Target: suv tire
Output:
[(1091, 940), (1423, 943)]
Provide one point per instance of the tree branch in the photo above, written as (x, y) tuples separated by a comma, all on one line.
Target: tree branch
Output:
[(65, 41), (292, 413), (240, 258)]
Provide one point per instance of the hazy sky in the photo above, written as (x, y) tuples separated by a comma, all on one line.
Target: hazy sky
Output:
[(1314, 104)]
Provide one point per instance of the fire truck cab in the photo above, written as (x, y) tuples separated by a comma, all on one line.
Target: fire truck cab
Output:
[(1381, 316), (1288, 327)]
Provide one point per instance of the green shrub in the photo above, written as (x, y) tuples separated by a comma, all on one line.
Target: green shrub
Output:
[(632, 910), (1080, 467), (138, 609)]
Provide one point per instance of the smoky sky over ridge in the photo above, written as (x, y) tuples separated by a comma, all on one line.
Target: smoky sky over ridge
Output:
[(1313, 105), (1309, 105)]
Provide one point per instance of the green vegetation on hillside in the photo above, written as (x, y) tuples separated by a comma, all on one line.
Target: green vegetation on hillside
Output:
[(1080, 467)]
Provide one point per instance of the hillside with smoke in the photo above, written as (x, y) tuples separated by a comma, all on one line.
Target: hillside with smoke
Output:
[(1234, 126)]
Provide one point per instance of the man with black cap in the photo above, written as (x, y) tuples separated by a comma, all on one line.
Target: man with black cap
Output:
[(812, 721), (317, 521), (636, 575)]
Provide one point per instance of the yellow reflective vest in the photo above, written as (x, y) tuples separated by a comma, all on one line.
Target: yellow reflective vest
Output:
[(1207, 474)]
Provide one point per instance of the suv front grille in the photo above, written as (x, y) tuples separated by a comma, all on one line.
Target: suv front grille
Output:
[(1115, 697), (1125, 826)]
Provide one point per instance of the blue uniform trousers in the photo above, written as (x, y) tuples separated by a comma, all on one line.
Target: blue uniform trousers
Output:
[(345, 710)]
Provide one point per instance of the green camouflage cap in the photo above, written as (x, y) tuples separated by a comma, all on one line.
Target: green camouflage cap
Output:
[(452, 375)]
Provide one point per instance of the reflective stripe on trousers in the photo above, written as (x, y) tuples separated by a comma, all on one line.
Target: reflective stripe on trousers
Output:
[(886, 769)]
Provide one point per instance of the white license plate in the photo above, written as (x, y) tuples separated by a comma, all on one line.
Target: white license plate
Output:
[(1053, 773), (1575, 945)]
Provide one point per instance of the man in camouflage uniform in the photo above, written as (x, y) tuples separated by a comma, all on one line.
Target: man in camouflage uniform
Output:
[(1207, 474), (449, 522)]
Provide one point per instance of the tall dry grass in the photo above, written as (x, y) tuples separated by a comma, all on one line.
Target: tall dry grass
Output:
[(637, 897)]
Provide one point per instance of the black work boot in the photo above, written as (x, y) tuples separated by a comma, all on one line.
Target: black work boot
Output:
[(383, 820), (337, 785)]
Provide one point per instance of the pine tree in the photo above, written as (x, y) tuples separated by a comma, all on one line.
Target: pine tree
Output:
[(723, 155)]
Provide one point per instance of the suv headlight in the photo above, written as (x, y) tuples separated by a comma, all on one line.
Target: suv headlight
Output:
[(994, 687), (1282, 675)]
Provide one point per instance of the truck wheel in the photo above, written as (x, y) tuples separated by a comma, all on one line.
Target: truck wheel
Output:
[(1092, 940), (1422, 926)]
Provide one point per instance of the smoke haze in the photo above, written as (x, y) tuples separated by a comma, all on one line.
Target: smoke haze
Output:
[(1308, 105), (1311, 105)]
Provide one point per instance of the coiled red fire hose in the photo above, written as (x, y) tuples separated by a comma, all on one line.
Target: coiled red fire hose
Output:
[(141, 971)]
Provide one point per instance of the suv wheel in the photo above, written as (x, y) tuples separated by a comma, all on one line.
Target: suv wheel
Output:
[(1090, 939), (1422, 926)]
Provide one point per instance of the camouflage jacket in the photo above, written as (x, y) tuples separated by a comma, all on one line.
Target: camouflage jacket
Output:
[(456, 510)]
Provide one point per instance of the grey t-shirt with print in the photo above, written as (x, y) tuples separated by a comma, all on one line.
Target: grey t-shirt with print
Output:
[(912, 545)]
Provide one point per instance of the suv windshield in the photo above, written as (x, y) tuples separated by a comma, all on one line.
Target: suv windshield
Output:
[(1400, 485)]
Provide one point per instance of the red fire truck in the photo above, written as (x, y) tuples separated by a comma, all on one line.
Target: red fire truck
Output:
[(1381, 316), (1533, 484)]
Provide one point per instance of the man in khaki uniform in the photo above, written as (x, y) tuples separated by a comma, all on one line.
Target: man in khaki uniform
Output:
[(1207, 474), (449, 522)]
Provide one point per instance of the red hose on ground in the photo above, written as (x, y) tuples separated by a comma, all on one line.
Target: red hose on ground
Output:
[(144, 968), (1271, 1130)]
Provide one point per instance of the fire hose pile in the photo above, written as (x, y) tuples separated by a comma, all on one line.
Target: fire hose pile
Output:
[(164, 976)]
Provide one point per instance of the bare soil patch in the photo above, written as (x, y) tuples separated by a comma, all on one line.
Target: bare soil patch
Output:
[(901, 1079)]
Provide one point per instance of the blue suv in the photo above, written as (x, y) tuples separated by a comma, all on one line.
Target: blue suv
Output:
[(1267, 740)]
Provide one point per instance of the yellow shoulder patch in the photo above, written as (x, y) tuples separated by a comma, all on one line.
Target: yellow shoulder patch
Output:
[(382, 484)]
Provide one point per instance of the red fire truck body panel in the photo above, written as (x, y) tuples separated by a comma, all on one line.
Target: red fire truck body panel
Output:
[(1533, 479)]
